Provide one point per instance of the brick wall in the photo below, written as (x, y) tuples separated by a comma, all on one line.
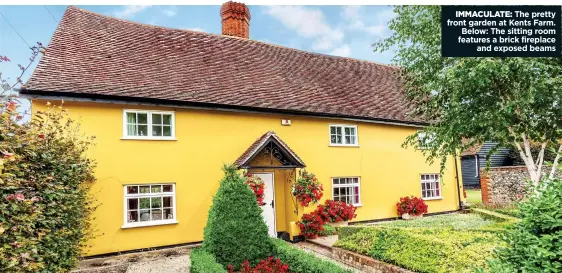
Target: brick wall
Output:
[(503, 185), (364, 263)]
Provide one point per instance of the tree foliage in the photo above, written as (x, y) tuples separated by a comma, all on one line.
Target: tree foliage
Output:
[(44, 181), (512, 101), (235, 230), (535, 243)]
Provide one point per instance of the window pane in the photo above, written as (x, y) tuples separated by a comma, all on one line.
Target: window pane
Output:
[(156, 119), (133, 203), (156, 188), (355, 180), (167, 119), (142, 130), (338, 130), (167, 130), (347, 131), (144, 215), (132, 189), (131, 118), (156, 202), (343, 191), (156, 214), (142, 118), (352, 140), (167, 188), (156, 130), (144, 203), (352, 131), (338, 139), (336, 191), (144, 189), (333, 139), (348, 140), (131, 130), (132, 216), (333, 130), (336, 180), (168, 214), (167, 201)]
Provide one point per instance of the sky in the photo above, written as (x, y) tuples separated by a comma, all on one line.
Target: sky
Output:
[(347, 31)]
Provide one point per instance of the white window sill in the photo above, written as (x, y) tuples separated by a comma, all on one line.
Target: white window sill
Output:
[(432, 198), (149, 138), (344, 145), (358, 205), (149, 224)]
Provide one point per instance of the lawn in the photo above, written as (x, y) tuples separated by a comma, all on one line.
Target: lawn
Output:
[(448, 221), (474, 196), (455, 243)]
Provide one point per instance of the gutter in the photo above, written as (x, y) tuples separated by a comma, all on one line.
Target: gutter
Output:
[(458, 182), (110, 99)]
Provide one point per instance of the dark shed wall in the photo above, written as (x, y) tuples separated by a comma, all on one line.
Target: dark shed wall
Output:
[(498, 159), (469, 173)]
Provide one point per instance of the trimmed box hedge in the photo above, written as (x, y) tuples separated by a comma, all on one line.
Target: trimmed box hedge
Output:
[(427, 250), (300, 261), (204, 262)]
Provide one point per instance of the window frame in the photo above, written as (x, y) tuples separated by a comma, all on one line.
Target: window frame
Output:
[(126, 195), (343, 126), (359, 204), (150, 124), (426, 181)]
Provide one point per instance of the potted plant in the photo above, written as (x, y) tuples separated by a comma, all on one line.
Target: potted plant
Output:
[(311, 224), (336, 213), (258, 187), (307, 189), (411, 207)]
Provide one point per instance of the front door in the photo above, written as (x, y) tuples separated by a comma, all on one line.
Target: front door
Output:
[(268, 210)]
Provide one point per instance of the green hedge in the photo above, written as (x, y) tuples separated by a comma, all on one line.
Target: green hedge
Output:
[(422, 250), (300, 261), (328, 230), (204, 262), (495, 216)]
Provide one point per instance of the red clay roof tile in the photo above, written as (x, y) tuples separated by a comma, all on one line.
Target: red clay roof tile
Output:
[(96, 55)]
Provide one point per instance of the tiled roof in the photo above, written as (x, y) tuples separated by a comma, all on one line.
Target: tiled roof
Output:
[(471, 150), (94, 55), (258, 146)]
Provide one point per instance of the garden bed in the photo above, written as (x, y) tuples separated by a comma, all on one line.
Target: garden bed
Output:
[(436, 244)]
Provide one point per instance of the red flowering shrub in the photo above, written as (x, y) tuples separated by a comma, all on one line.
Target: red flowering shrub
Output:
[(336, 211), (257, 186), (311, 224), (307, 189), (270, 265), (411, 205)]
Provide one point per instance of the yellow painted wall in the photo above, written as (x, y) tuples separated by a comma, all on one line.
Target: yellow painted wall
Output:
[(207, 139)]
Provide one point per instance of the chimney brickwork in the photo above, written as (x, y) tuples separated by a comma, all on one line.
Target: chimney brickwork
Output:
[(235, 19)]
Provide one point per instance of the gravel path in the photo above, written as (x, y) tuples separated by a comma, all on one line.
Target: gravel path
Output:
[(178, 264)]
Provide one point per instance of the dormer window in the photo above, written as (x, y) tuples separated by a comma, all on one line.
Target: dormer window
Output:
[(144, 124), (343, 135)]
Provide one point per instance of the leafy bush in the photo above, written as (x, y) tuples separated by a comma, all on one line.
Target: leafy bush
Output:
[(204, 262), (300, 261), (235, 230), (535, 243), (270, 265), (311, 224), (44, 181), (328, 230), (411, 205), (336, 211), (423, 250)]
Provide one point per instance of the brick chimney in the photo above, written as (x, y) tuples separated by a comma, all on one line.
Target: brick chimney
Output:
[(235, 19)]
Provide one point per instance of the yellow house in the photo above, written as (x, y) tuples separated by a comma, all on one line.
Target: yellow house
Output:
[(169, 107)]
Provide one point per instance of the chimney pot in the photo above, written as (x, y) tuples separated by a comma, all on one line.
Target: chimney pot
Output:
[(235, 19)]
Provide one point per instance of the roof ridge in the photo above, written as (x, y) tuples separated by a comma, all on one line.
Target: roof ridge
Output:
[(230, 37)]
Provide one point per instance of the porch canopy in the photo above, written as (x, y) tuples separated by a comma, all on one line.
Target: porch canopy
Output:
[(272, 149)]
